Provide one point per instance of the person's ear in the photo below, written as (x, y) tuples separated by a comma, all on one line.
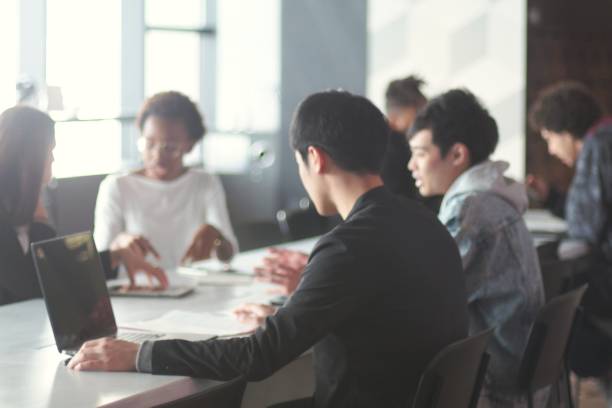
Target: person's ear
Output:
[(317, 159), (460, 155)]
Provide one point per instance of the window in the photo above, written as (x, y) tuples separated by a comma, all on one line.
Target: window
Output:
[(84, 64), (8, 50)]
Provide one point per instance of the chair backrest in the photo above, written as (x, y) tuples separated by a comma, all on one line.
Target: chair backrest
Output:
[(557, 277), (225, 395), (454, 377), (543, 358), (301, 223)]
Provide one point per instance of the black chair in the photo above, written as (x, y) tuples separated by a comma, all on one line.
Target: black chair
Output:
[(225, 395), (543, 360), (454, 377), (300, 223), (258, 234)]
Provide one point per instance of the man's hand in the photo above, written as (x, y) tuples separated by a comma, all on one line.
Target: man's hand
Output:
[(106, 354), (206, 242), (253, 314), (283, 267), (131, 251), (539, 186)]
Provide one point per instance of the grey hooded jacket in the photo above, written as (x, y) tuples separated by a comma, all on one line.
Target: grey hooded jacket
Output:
[(483, 212)]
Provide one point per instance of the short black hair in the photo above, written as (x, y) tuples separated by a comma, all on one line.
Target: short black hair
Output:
[(457, 116), (565, 107), (174, 106), (349, 128), (405, 92)]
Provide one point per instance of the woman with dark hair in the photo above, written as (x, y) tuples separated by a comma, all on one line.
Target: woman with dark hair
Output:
[(181, 210), (27, 139)]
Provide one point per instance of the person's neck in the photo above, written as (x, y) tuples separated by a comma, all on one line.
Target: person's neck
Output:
[(346, 190), (148, 173)]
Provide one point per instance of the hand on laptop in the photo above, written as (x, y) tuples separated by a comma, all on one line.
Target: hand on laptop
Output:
[(283, 267), (131, 250), (253, 314), (105, 354)]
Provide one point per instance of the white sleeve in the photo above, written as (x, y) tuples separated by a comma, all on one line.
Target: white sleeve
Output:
[(216, 211), (109, 221)]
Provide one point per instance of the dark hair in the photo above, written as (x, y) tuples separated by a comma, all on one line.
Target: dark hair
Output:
[(565, 107), (405, 92), (457, 116), (349, 128), (174, 106), (26, 135)]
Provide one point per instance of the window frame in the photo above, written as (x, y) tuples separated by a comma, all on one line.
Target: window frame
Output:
[(33, 60)]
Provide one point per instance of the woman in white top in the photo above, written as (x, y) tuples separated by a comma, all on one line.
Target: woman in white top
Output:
[(180, 210)]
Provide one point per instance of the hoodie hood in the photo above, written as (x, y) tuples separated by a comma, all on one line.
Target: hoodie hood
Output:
[(488, 177)]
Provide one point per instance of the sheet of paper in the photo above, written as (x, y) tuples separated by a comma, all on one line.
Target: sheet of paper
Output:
[(209, 276), (544, 221), (179, 321)]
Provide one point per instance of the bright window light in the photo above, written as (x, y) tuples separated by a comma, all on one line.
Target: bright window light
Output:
[(8, 50), (84, 55), (85, 148), (179, 13), (172, 62)]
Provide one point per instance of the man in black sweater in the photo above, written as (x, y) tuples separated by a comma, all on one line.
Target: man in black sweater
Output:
[(381, 294)]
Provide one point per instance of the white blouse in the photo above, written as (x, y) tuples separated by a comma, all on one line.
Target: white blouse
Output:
[(167, 213)]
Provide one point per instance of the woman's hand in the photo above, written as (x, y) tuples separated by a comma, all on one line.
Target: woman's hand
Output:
[(206, 242), (131, 250)]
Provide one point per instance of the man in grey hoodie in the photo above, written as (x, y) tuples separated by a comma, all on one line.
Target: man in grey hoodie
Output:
[(451, 141)]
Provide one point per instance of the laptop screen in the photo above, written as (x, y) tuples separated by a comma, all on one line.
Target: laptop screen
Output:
[(73, 284)]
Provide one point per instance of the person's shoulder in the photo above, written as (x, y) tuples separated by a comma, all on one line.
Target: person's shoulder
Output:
[(202, 176), (116, 179), (40, 231)]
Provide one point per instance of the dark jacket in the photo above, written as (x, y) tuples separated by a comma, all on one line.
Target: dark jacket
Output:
[(18, 279), (382, 293)]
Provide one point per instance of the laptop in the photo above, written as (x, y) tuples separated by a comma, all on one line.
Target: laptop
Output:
[(75, 292)]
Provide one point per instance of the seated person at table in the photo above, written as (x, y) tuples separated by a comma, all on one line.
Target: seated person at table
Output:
[(181, 210), (451, 141), (571, 121), (403, 100), (362, 297), (27, 139)]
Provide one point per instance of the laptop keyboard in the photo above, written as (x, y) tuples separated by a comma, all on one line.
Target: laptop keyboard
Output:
[(138, 337)]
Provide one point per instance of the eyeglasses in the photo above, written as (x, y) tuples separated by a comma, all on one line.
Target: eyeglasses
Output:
[(148, 145)]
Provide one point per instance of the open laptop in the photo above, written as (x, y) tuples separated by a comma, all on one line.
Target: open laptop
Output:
[(77, 299)]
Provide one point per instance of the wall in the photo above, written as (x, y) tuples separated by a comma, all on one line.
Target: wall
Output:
[(478, 44), (323, 46)]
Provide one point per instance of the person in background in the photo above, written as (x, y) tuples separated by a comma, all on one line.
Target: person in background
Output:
[(27, 139), (403, 99), (572, 122), (181, 210), (451, 141), (370, 337)]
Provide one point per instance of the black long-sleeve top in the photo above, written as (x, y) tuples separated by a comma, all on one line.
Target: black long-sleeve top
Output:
[(382, 293), (18, 279)]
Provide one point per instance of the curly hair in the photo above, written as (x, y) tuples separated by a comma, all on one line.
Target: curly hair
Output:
[(405, 92), (175, 106), (565, 107), (457, 116)]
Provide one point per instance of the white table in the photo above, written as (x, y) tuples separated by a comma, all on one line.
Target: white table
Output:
[(32, 372)]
